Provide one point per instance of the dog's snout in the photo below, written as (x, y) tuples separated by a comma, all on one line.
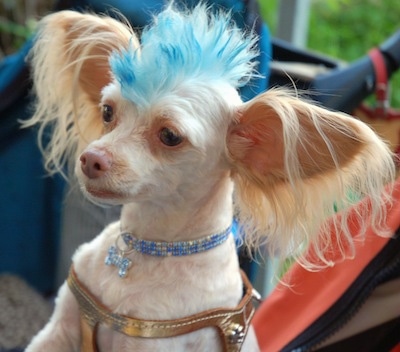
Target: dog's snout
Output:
[(95, 163)]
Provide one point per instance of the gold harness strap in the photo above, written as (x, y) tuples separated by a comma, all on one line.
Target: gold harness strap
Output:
[(232, 324)]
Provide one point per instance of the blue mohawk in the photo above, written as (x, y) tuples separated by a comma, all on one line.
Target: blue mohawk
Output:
[(183, 45)]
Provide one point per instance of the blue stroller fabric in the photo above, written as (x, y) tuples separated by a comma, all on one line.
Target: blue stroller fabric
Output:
[(30, 202)]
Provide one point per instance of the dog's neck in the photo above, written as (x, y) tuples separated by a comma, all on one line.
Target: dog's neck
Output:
[(189, 218)]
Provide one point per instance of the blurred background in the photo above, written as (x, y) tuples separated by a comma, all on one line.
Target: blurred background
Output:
[(343, 29)]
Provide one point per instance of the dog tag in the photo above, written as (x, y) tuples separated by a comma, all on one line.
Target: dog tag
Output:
[(116, 257)]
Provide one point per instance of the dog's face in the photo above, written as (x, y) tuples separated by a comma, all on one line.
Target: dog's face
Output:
[(170, 151)]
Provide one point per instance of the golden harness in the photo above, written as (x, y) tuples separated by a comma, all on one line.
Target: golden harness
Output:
[(232, 323)]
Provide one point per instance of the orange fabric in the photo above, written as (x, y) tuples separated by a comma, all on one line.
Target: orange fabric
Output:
[(289, 310)]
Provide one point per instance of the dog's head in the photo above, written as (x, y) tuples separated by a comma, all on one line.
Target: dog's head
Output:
[(167, 109), (162, 121)]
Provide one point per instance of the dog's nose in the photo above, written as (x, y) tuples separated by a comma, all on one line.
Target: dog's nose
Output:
[(95, 163)]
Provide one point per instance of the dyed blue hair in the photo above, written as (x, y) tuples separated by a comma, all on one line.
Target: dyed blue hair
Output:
[(183, 45)]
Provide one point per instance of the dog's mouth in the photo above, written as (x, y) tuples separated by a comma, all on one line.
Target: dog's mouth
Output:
[(103, 193)]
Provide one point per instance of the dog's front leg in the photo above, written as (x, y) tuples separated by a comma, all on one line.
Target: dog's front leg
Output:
[(62, 332)]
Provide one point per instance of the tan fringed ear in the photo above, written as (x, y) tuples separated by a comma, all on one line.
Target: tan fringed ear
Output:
[(319, 141), (70, 64), (89, 40), (293, 163)]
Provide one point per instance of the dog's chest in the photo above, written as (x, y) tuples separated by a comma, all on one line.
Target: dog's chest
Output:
[(161, 289)]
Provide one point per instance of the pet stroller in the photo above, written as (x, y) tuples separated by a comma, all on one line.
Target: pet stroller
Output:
[(38, 246)]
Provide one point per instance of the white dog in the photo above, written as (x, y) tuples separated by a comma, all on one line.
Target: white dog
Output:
[(160, 128)]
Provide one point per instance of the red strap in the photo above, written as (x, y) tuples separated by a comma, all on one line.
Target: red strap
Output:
[(381, 81), (382, 108), (396, 349)]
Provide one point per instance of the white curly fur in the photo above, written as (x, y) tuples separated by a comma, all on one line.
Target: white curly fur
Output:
[(290, 162)]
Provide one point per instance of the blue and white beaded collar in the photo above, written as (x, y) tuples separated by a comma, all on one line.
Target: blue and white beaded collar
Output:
[(117, 256)]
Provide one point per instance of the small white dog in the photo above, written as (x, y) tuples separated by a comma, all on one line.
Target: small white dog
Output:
[(160, 128)]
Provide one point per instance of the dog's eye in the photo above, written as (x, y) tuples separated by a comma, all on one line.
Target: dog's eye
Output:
[(170, 138), (108, 113)]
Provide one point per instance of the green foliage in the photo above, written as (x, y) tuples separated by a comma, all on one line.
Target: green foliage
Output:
[(269, 12), (20, 33), (347, 29)]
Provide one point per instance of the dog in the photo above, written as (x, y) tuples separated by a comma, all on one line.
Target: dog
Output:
[(158, 126)]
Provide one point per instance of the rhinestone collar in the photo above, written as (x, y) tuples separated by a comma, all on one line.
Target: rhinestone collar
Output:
[(116, 254)]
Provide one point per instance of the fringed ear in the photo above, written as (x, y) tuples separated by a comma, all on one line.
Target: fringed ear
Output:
[(70, 68), (295, 164)]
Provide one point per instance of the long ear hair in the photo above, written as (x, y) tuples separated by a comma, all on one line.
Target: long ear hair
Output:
[(70, 68), (295, 165)]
